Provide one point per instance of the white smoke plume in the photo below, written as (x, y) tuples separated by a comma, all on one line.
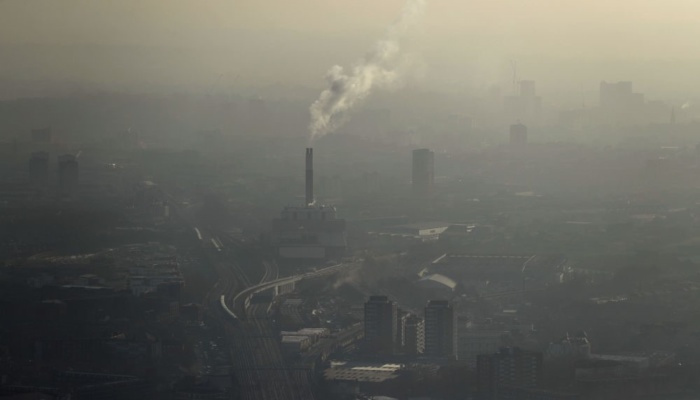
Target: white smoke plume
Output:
[(378, 69)]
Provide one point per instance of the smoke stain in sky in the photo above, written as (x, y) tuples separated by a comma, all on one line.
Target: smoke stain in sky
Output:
[(378, 69)]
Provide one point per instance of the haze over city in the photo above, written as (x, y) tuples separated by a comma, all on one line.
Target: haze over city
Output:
[(566, 46), (351, 200)]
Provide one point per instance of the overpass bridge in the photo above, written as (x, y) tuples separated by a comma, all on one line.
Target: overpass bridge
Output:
[(242, 300)]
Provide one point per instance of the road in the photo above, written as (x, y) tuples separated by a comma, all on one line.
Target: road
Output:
[(238, 304)]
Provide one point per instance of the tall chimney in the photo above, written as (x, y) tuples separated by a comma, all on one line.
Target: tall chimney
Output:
[(309, 175)]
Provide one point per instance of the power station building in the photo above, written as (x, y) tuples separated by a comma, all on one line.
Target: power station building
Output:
[(310, 231)]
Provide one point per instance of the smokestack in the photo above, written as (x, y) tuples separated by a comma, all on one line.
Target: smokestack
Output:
[(309, 176)]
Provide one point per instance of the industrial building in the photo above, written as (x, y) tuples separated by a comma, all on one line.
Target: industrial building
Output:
[(310, 231)]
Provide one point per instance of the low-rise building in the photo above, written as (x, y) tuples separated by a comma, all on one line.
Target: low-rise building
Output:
[(372, 378), (293, 345), (570, 347), (475, 342), (313, 334)]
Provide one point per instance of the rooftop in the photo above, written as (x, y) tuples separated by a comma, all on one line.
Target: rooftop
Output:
[(439, 280), (357, 372), (294, 339)]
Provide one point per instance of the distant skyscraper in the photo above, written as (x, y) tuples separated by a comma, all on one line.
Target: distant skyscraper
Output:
[(414, 336), (67, 175), (380, 325), (620, 105), (498, 374), (39, 169), (518, 134), (526, 105), (440, 329), (423, 176), (619, 96)]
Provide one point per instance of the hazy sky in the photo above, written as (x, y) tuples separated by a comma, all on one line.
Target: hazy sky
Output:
[(165, 22), (295, 41)]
